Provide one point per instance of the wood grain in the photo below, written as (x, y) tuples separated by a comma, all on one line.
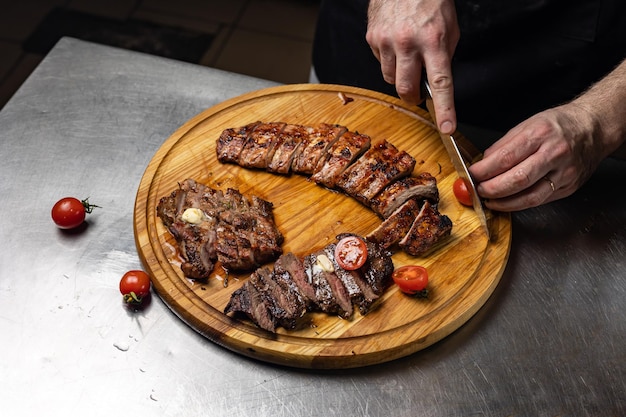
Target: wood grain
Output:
[(464, 269)]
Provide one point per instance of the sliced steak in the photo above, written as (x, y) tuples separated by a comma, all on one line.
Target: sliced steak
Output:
[(329, 296), (378, 167), (224, 227), (285, 305), (289, 267), (259, 146), (231, 142), (287, 146), (377, 269), (197, 247), (339, 156), (249, 301), (316, 144), (421, 187), (429, 227), (374, 277), (247, 236), (396, 226), (279, 297), (349, 279)]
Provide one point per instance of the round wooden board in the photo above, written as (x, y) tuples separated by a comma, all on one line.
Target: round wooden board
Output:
[(464, 269)]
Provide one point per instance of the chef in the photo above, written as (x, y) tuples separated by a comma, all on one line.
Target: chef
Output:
[(549, 73)]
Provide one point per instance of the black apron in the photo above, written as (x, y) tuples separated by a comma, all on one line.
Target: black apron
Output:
[(515, 58)]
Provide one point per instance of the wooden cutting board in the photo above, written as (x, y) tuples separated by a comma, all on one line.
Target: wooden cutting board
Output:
[(464, 269)]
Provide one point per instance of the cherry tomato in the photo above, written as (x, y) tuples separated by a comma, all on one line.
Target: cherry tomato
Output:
[(135, 287), (69, 212), (351, 253), (411, 279), (461, 192)]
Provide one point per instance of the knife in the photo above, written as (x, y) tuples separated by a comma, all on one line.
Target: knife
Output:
[(458, 161)]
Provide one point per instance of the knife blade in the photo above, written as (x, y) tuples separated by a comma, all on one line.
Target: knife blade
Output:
[(458, 161)]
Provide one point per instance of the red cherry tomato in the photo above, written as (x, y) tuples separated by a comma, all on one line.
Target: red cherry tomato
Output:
[(135, 287), (351, 253), (461, 192), (69, 212), (411, 279)]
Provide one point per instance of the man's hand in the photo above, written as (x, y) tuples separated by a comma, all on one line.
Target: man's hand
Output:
[(550, 155), (409, 36)]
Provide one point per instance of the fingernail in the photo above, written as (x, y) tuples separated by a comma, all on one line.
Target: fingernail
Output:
[(446, 127)]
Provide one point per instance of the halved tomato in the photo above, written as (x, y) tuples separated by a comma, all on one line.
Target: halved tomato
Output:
[(351, 253), (411, 279)]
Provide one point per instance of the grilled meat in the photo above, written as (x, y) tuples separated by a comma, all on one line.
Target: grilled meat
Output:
[(339, 156), (232, 141), (378, 167), (224, 227), (378, 176), (314, 147), (249, 301), (258, 149), (284, 303), (287, 146), (396, 226), (280, 297), (429, 227), (289, 268), (421, 187)]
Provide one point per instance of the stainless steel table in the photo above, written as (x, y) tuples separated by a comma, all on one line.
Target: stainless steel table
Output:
[(551, 341)]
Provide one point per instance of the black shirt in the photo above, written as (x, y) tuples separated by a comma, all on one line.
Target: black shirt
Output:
[(514, 58)]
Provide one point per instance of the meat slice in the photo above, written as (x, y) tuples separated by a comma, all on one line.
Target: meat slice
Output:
[(374, 170), (285, 304), (288, 267), (315, 145), (429, 227), (231, 142), (330, 295), (287, 146), (249, 301), (349, 279), (247, 236), (377, 269), (396, 226), (259, 146), (226, 227), (339, 156), (197, 247), (421, 187), (279, 297)]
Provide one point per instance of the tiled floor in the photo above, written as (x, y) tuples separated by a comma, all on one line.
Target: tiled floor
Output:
[(270, 39)]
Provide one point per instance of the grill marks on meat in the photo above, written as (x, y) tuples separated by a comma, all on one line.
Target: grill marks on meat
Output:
[(421, 187), (380, 165), (258, 150), (378, 175), (280, 297), (429, 227), (231, 142), (314, 147), (237, 232), (339, 156)]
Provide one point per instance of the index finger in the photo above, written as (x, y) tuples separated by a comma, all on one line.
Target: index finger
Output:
[(442, 91)]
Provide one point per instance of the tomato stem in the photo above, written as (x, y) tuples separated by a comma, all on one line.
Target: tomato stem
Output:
[(132, 298), (88, 207), (421, 294)]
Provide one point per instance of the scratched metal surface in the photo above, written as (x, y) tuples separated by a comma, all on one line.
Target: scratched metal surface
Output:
[(551, 341)]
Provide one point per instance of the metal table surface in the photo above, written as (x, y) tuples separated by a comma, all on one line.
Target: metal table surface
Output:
[(550, 341)]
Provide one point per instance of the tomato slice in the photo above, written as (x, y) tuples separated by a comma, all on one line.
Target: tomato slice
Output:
[(351, 253), (411, 279), (461, 192)]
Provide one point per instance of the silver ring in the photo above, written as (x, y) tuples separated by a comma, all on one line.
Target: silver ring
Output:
[(550, 182)]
